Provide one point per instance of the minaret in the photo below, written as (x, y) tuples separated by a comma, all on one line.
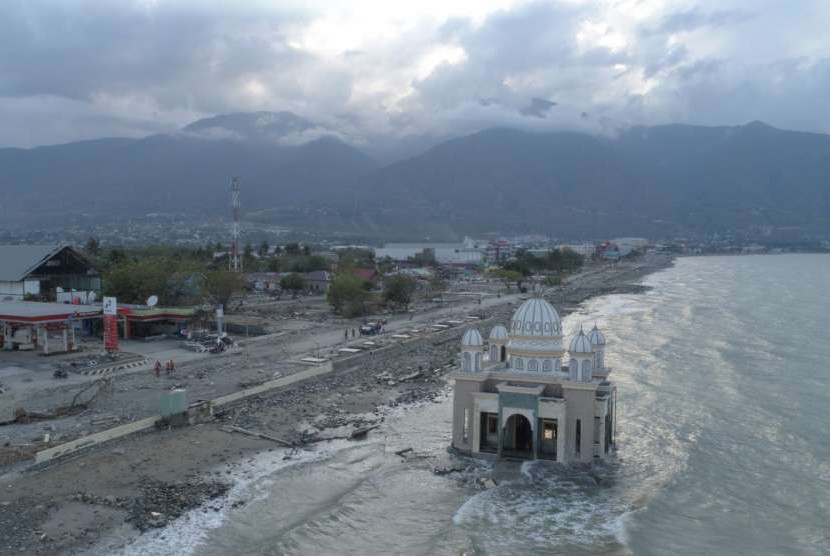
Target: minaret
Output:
[(598, 342), (581, 352), (498, 344), (471, 354)]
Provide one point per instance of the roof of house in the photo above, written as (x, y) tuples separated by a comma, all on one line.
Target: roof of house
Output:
[(18, 261), (318, 275), (368, 274)]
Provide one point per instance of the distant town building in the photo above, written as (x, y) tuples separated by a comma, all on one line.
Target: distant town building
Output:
[(499, 251), (584, 249), (51, 272), (514, 397), (467, 252), (626, 245)]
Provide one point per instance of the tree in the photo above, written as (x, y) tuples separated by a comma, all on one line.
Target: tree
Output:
[(293, 282), (292, 249), (116, 256), (347, 295), (221, 285), (248, 259), (93, 246), (398, 290), (306, 263), (263, 249), (356, 258), (509, 277)]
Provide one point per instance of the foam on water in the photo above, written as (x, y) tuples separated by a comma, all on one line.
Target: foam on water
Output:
[(184, 535), (542, 508)]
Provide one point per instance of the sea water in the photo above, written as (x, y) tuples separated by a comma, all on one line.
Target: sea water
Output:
[(723, 370)]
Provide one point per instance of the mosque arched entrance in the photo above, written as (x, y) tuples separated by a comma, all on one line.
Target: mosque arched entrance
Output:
[(517, 437)]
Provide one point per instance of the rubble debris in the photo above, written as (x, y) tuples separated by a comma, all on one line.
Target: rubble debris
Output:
[(447, 469), (359, 434), (240, 430), (162, 503)]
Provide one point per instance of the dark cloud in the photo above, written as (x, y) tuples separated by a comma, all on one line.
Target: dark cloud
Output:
[(538, 108)]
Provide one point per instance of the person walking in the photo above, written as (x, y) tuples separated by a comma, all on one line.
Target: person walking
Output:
[(158, 368), (346, 337)]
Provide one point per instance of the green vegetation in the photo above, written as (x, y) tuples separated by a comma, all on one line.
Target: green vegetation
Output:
[(355, 258), (348, 294), (554, 265), (508, 276), (221, 285), (178, 276), (293, 282), (398, 291)]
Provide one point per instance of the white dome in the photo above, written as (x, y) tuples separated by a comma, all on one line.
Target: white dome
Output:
[(472, 338), (498, 332), (536, 318), (581, 343), (597, 337)]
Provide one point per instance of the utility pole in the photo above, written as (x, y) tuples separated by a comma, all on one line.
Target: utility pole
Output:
[(235, 262)]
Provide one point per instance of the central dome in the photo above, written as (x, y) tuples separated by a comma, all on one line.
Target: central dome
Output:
[(536, 318)]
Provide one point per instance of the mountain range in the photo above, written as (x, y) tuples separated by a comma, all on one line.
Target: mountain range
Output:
[(654, 181)]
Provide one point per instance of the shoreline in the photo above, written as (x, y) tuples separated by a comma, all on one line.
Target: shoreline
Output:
[(117, 489)]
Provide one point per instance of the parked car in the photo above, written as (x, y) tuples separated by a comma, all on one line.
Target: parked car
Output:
[(370, 328)]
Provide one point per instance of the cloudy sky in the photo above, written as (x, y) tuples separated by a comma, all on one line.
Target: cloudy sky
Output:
[(376, 69)]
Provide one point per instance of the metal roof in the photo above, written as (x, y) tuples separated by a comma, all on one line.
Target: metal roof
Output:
[(18, 261), (34, 311)]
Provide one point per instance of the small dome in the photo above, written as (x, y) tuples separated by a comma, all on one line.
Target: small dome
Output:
[(498, 332), (472, 338), (596, 336), (581, 343), (536, 318)]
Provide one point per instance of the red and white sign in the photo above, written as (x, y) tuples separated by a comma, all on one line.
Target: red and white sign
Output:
[(110, 324)]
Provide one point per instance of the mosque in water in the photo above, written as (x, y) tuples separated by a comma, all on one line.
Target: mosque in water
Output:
[(515, 398)]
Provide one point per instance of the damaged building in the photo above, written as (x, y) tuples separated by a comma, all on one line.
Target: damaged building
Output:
[(514, 397), (47, 273)]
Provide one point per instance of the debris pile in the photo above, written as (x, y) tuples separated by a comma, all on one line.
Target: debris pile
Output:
[(161, 503)]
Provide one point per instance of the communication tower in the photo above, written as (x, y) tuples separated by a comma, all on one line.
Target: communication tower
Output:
[(235, 261)]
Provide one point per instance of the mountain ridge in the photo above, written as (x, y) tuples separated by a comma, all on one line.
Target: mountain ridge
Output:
[(665, 180)]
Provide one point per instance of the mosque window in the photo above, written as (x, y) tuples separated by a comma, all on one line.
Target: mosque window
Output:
[(546, 365), (467, 362), (518, 364), (533, 365), (557, 365), (478, 362)]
